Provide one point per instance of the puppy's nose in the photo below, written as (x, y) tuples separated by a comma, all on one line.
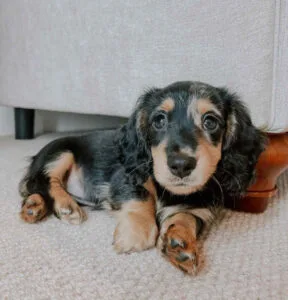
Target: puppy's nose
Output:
[(181, 165)]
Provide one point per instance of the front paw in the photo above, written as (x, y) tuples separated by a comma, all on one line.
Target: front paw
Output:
[(133, 235), (179, 247)]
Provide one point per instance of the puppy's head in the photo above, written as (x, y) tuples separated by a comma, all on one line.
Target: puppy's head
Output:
[(187, 128)]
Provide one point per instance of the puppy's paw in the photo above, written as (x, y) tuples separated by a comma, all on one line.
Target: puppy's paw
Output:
[(34, 209), (179, 247), (132, 235), (70, 212)]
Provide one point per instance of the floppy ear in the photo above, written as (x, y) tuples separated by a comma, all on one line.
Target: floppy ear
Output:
[(242, 145), (134, 147)]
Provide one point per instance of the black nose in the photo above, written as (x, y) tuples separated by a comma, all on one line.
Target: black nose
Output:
[(181, 165)]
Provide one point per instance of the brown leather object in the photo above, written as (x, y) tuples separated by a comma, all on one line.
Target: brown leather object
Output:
[(272, 163)]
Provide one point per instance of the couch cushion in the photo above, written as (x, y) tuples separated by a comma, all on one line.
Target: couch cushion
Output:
[(98, 57)]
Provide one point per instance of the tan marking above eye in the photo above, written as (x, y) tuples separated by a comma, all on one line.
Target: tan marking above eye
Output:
[(199, 107), (167, 105), (205, 105), (141, 119)]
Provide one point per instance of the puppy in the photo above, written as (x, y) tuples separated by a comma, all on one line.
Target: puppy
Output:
[(165, 173)]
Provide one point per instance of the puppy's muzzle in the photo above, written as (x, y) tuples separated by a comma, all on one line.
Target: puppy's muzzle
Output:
[(181, 165)]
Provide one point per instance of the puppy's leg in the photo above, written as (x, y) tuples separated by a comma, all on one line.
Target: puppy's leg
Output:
[(65, 207), (178, 236), (44, 191), (136, 229), (35, 206)]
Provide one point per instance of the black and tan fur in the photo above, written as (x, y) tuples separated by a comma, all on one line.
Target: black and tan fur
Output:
[(185, 148)]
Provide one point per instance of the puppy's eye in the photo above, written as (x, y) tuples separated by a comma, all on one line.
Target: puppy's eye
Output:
[(210, 123), (160, 121)]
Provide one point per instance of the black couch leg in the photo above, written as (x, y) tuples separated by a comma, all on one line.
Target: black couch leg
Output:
[(24, 123)]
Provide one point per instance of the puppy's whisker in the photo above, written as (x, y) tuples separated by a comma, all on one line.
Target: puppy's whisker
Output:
[(141, 165), (221, 190), (162, 194), (135, 169), (235, 178), (237, 182)]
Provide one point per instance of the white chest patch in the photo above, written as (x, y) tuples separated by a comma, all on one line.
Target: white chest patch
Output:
[(75, 184)]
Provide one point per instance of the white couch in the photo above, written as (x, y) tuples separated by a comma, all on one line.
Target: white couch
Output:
[(96, 57)]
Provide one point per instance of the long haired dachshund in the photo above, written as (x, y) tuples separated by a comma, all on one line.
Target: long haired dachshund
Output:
[(165, 173)]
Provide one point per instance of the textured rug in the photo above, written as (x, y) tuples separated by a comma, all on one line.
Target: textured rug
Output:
[(246, 256)]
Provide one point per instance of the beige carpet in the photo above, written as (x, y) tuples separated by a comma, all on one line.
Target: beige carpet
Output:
[(246, 256)]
